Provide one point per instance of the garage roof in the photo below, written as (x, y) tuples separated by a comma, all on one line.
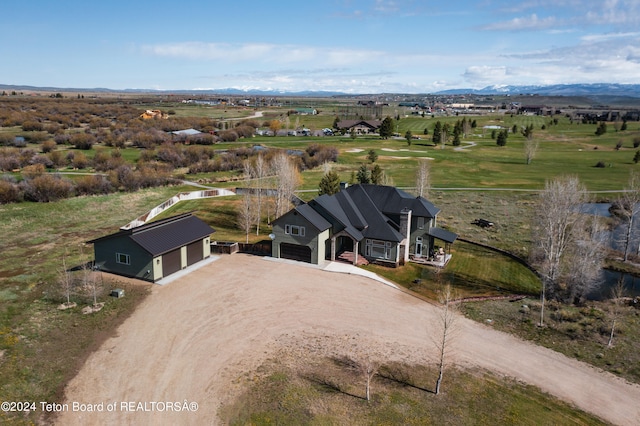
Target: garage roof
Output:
[(165, 235)]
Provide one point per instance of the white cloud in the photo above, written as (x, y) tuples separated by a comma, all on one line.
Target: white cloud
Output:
[(526, 23), (262, 52)]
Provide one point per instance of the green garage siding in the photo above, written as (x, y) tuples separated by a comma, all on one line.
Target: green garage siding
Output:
[(140, 261)]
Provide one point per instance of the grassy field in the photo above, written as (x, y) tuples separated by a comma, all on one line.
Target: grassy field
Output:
[(578, 332), (326, 393), (472, 272)]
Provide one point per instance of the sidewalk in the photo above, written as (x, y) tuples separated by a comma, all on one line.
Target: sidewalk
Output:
[(339, 267)]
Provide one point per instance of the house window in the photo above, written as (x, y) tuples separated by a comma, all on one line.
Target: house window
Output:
[(421, 223), (298, 231), (123, 259), (378, 249)]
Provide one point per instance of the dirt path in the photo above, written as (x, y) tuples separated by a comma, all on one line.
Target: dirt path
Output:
[(199, 338)]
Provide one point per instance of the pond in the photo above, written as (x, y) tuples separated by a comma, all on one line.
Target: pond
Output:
[(615, 240)]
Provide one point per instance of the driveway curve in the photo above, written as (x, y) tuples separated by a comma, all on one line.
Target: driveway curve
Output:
[(198, 339)]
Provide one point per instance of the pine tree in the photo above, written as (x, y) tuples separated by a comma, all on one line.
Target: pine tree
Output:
[(437, 130), (386, 128), (376, 175), (502, 138), (329, 184), (363, 174)]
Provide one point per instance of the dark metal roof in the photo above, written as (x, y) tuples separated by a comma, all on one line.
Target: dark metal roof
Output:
[(390, 200), (331, 205), (313, 217), (443, 234), (165, 235), (379, 225)]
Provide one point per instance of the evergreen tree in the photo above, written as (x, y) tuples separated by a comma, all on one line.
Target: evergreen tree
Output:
[(457, 130), (363, 174), (386, 128), (408, 136), (437, 130), (602, 129), (502, 138), (636, 158), (376, 175), (329, 184), (372, 156)]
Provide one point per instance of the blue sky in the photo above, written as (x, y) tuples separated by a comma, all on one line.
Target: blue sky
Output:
[(354, 46)]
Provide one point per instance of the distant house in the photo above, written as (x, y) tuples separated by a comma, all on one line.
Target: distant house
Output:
[(155, 113), (186, 132), (361, 127), (306, 111), (382, 224), (155, 250)]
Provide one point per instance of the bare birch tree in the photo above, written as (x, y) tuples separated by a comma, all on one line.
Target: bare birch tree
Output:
[(247, 213), (66, 283), (367, 365), (557, 213), (287, 179), (630, 207), (586, 254), (615, 308), (423, 178), (255, 172), (447, 319), (530, 148)]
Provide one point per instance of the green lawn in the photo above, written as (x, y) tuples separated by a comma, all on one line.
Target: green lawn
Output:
[(323, 391)]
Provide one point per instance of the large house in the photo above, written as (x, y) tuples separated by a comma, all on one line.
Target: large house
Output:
[(380, 223), (154, 250), (360, 127)]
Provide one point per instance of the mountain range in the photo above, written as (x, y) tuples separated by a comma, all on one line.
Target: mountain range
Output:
[(597, 89)]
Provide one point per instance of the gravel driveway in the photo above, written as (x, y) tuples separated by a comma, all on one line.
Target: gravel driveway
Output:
[(194, 340)]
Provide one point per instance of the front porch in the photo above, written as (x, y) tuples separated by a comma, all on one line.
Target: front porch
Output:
[(350, 257), (439, 260)]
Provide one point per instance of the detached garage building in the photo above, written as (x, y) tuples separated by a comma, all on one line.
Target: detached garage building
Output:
[(155, 250)]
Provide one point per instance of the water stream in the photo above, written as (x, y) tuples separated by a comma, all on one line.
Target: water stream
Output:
[(615, 240)]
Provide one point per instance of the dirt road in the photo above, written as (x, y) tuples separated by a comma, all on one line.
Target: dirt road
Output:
[(197, 339)]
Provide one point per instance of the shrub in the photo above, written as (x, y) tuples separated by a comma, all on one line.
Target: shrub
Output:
[(33, 171), (636, 142), (601, 164), (79, 161), (9, 192), (32, 126), (46, 188), (62, 139), (48, 146), (6, 139), (93, 185), (36, 137), (228, 136), (82, 140)]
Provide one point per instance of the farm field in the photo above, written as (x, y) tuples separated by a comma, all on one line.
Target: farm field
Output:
[(466, 184)]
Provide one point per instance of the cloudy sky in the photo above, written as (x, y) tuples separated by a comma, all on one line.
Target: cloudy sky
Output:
[(354, 46)]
